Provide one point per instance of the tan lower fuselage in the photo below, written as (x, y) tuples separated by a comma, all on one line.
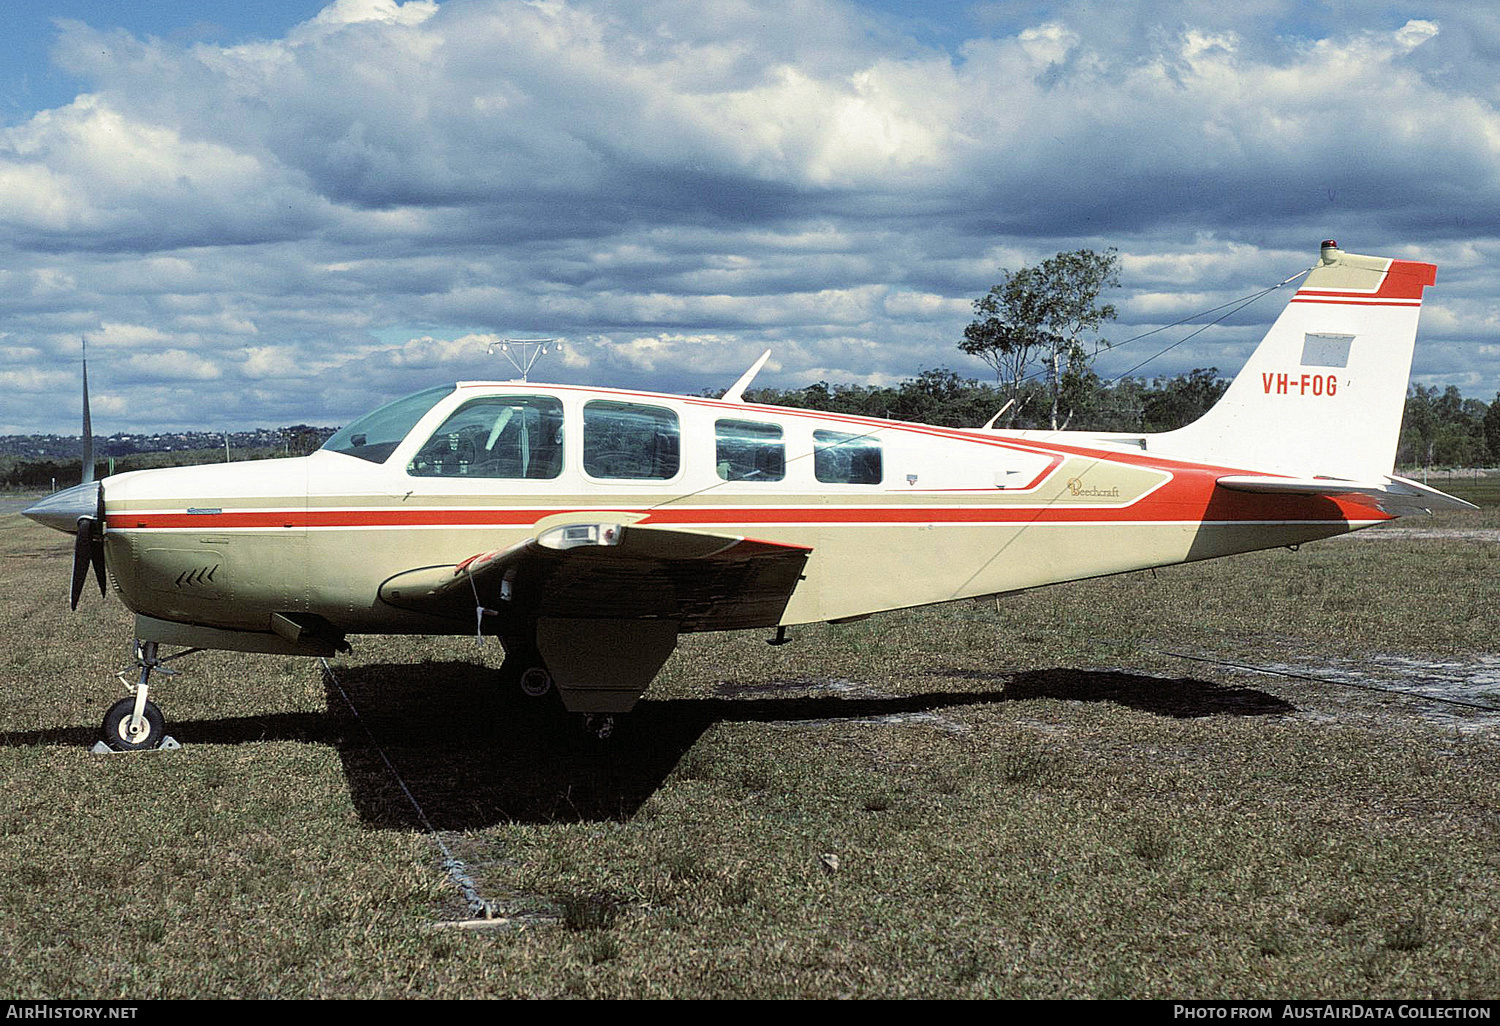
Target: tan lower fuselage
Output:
[(957, 514)]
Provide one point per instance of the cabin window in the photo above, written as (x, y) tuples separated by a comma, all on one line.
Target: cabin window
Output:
[(627, 440), (846, 459), (499, 436), (375, 436), (749, 451)]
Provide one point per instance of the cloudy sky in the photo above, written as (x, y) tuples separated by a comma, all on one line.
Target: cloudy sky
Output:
[(281, 211)]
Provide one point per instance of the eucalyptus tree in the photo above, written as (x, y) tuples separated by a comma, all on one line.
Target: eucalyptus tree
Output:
[(1048, 315)]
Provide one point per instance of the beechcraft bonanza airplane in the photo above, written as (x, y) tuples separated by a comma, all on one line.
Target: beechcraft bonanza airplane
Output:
[(589, 527)]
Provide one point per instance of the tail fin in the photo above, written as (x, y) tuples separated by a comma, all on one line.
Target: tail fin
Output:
[(1323, 394)]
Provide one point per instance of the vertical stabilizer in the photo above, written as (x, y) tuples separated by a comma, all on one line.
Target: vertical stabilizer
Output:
[(1323, 394)]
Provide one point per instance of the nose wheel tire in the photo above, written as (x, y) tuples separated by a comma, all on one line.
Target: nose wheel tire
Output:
[(117, 732)]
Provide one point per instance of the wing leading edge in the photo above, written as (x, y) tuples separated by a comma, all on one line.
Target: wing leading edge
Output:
[(610, 570)]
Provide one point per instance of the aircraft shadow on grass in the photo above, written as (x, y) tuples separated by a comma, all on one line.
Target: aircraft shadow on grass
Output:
[(1179, 698), (474, 755)]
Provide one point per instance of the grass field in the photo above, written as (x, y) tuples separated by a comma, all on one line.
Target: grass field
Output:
[(1028, 798)]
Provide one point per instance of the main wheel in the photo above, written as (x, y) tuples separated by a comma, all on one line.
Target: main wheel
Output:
[(523, 665), (117, 733), (535, 681)]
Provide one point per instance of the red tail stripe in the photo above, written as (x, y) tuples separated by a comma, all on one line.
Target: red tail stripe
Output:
[(1404, 279)]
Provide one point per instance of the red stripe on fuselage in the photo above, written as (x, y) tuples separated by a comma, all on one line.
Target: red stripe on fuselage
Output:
[(1186, 503)]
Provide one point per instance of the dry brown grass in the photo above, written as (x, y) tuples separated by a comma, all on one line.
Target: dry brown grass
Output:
[(1024, 801)]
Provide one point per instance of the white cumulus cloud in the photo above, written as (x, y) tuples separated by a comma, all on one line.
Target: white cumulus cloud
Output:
[(319, 220)]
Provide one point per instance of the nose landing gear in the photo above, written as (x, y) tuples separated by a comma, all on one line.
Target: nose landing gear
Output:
[(136, 724)]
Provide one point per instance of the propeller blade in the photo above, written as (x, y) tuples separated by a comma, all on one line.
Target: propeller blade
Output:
[(82, 543), (96, 543), (88, 426), (88, 535)]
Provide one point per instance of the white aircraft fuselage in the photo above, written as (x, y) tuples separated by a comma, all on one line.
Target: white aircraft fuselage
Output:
[(588, 527), (953, 514)]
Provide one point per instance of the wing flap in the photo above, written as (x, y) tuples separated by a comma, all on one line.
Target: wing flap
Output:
[(615, 571)]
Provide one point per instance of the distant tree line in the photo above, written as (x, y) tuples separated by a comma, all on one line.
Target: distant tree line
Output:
[(944, 397), (1443, 429), (29, 474), (1440, 429), (33, 473), (63, 447)]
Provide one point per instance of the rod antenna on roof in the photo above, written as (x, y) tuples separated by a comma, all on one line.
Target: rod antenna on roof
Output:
[(523, 353), (736, 392)]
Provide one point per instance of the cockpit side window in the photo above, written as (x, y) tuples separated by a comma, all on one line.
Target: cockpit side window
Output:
[(746, 450), (630, 441), (846, 459), (497, 436), (375, 436)]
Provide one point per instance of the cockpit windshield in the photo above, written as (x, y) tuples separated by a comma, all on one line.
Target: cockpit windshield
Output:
[(375, 436)]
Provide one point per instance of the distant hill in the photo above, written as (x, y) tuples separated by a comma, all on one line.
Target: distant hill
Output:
[(296, 440), (30, 462)]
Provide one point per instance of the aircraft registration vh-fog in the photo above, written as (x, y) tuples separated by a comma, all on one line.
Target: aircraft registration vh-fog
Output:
[(589, 527)]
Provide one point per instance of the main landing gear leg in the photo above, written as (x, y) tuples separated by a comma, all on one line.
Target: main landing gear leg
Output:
[(135, 724), (600, 726)]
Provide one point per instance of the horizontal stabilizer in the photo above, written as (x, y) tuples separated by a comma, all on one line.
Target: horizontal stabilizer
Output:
[(1394, 495)]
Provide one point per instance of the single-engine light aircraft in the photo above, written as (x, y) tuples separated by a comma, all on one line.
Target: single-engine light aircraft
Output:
[(589, 527)]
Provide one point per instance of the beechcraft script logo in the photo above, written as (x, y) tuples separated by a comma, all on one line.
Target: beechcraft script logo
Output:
[(1319, 349)]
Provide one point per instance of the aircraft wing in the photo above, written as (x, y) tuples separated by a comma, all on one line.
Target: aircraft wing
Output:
[(615, 571), (1394, 495)]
